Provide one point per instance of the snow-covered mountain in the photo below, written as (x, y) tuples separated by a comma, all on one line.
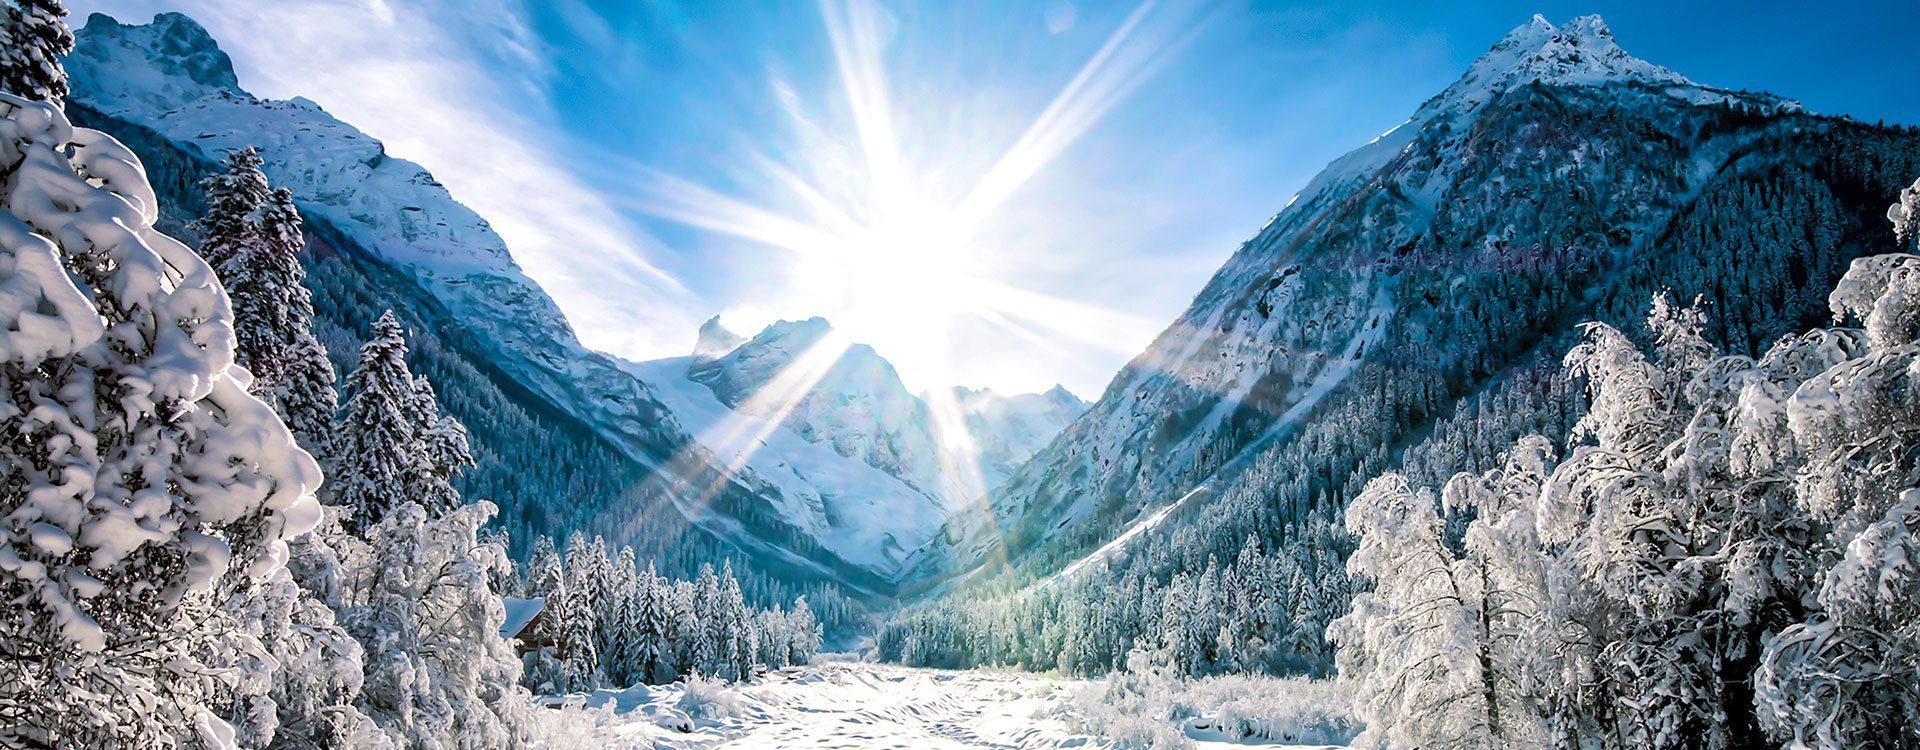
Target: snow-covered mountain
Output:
[(851, 455), (1005, 431), (1560, 179), (861, 487), (171, 76)]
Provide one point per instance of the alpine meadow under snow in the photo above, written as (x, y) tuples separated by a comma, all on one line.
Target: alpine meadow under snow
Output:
[(1582, 410)]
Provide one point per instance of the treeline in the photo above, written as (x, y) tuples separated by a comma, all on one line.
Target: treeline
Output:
[(607, 623), (1256, 612)]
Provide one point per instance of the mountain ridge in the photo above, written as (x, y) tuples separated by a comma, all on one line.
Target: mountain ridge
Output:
[(1364, 264)]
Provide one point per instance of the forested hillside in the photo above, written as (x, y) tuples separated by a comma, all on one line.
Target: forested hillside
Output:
[(1408, 311), (586, 483)]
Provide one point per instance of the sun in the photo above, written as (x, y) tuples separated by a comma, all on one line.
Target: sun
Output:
[(908, 276), (891, 251)]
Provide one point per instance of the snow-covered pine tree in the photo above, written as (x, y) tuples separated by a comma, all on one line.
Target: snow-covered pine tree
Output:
[(578, 613), (303, 391), (256, 235), (652, 658), (706, 652), (378, 452), (144, 484), (443, 450), (236, 199), (32, 40), (736, 628), (619, 623)]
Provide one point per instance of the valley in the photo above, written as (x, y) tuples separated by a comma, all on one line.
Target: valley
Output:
[(1575, 411)]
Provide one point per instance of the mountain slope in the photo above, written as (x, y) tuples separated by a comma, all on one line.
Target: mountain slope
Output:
[(1442, 265), (383, 234)]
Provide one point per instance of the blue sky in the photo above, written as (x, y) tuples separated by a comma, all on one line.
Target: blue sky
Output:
[(740, 148)]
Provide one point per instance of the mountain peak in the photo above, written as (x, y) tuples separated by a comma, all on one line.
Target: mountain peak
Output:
[(715, 340), (1581, 52), (174, 45), (1060, 395)]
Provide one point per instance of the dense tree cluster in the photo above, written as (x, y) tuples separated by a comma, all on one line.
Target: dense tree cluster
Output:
[(606, 623), (172, 577), (1256, 612), (1722, 559)]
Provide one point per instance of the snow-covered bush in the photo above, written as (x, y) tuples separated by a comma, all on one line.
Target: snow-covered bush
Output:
[(1279, 710), (575, 726), (143, 483), (1150, 707), (707, 698)]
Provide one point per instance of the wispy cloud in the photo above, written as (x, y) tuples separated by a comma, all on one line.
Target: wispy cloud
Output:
[(459, 86)]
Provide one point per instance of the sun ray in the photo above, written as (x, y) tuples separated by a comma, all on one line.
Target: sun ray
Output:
[(733, 441), (1128, 58), (889, 234)]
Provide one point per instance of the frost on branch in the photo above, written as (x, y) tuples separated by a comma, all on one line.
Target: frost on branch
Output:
[(142, 481)]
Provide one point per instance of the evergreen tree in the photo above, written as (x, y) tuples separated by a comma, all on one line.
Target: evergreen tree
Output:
[(619, 623), (378, 449), (705, 649), (32, 41), (736, 628), (578, 612), (653, 624), (255, 234), (236, 202), (442, 450)]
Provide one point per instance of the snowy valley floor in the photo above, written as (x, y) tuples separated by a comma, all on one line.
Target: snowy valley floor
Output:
[(848, 705)]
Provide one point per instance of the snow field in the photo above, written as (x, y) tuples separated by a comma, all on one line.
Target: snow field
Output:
[(861, 705)]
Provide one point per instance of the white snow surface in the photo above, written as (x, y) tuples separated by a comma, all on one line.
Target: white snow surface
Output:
[(858, 705)]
